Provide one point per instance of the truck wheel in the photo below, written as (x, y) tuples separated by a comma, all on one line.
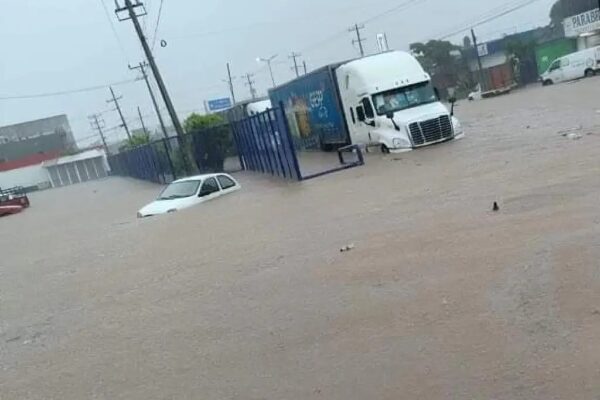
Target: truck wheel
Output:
[(385, 149), (589, 73), (547, 82)]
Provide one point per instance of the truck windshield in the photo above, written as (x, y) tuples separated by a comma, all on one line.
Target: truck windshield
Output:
[(405, 97)]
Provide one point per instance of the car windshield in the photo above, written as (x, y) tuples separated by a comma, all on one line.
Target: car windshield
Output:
[(402, 98), (179, 190)]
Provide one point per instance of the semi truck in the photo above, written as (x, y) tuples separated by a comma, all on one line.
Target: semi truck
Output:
[(384, 100)]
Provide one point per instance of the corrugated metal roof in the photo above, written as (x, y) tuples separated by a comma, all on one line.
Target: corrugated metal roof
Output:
[(86, 155)]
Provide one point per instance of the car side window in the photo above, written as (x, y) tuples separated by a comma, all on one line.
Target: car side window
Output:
[(209, 187), (369, 113), (226, 182), (564, 62), (555, 65)]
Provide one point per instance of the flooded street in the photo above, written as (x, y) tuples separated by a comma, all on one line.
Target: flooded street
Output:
[(249, 297)]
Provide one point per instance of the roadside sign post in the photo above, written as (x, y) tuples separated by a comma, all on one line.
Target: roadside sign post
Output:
[(219, 104)]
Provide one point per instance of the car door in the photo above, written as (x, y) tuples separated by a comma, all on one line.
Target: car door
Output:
[(210, 189), (554, 72), (227, 184), (365, 122)]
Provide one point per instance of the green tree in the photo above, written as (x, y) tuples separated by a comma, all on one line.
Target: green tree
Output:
[(444, 60), (211, 139), (135, 141), (197, 122)]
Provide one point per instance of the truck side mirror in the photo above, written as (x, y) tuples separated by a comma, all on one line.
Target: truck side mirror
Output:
[(360, 113), (437, 93), (452, 101), (389, 115)]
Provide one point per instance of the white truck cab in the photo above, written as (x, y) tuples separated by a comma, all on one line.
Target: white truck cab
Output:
[(389, 101), (584, 63)]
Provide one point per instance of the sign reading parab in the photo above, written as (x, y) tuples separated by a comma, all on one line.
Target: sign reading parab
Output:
[(583, 23), (219, 104)]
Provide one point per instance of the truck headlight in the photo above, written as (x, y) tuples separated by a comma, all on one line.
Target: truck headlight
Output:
[(457, 126)]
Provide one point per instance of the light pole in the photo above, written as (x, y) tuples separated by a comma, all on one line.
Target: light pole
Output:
[(268, 61)]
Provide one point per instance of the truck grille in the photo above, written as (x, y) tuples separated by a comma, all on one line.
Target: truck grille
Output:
[(432, 130)]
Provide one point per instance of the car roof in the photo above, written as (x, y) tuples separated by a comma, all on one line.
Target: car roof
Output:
[(198, 177)]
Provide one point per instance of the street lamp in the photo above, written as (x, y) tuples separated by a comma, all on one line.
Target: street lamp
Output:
[(268, 61)]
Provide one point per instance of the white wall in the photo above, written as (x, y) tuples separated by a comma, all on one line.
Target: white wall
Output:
[(489, 61), (27, 176), (585, 42)]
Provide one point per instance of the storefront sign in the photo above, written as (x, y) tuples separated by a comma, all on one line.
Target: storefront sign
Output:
[(583, 23)]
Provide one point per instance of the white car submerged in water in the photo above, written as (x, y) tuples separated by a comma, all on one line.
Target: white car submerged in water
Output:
[(188, 192)]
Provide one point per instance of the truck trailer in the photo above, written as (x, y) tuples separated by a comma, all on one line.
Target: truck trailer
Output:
[(384, 100)]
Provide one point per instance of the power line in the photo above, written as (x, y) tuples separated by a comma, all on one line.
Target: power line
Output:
[(357, 28), (142, 67), (114, 30), (294, 56), (132, 15), (250, 84), (98, 125), (160, 8), (392, 10), (490, 18), (66, 92), (115, 100)]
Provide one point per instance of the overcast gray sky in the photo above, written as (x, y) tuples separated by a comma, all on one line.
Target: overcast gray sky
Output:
[(50, 46)]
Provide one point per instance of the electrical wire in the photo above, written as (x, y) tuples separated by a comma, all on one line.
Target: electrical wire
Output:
[(160, 8), (114, 30), (485, 20), (67, 92)]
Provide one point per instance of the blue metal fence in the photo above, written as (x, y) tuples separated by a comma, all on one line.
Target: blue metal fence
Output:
[(265, 145), (261, 143)]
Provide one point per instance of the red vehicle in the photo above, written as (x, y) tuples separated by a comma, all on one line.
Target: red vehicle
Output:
[(13, 201), (7, 210)]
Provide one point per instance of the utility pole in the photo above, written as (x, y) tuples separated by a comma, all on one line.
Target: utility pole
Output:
[(142, 121), (304, 64), (356, 28), (230, 81), (294, 56), (142, 67), (481, 84), (98, 125), (250, 84), (133, 16), (115, 100), (269, 61)]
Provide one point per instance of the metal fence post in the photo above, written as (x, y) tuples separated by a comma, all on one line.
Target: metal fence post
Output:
[(290, 141), (169, 159)]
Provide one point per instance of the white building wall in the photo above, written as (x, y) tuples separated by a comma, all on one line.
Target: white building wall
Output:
[(489, 61), (34, 175)]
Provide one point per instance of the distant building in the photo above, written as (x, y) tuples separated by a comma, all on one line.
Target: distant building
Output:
[(44, 136), (584, 27), (537, 49)]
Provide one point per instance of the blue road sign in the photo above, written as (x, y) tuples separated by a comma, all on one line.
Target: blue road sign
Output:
[(219, 104)]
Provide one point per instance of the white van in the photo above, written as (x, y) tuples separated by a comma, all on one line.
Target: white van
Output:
[(584, 63)]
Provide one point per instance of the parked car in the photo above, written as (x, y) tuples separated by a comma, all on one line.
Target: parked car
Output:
[(14, 197), (189, 192), (581, 64), (10, 209)]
